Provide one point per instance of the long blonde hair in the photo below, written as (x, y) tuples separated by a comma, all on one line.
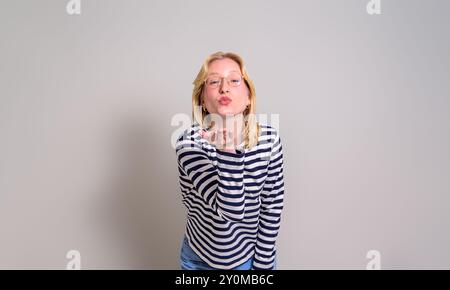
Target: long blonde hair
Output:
[(251, 128)]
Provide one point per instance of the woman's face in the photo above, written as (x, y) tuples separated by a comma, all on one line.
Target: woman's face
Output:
[(221, 95)]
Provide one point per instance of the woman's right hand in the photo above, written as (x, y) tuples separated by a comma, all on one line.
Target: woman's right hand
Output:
[(222, 138)]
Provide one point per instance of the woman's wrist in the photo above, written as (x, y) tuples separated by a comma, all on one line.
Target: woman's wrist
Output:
[(229, 150)]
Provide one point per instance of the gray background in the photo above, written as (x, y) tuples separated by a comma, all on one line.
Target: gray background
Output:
[(86, 103)]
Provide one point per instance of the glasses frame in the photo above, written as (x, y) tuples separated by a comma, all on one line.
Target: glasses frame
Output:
[(221, 82)]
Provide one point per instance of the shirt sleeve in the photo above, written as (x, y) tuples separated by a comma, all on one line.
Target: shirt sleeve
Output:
[(272, 197), (221, 186)]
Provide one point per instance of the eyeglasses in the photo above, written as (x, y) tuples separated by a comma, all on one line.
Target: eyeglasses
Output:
[(233, 79)]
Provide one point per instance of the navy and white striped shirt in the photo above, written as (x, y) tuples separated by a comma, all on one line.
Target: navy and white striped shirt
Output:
[(234, 200)]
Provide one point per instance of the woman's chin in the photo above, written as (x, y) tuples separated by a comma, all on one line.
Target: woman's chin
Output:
[(226, 112)]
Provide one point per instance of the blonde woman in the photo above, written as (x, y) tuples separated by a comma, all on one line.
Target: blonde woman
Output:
[(230, 173)]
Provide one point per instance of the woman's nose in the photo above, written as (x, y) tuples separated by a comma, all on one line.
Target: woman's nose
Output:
[(224, 86)]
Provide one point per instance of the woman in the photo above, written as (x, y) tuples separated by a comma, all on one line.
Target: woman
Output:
[(230, 173)]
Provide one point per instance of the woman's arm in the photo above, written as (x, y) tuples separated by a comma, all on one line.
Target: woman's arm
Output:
[(272, 197), (221, 187)]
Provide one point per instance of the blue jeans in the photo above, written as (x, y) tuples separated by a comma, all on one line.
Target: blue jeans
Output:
[(189, 260)]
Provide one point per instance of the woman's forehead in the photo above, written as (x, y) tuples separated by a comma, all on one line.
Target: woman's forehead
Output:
[(227, 72), (225, 64)]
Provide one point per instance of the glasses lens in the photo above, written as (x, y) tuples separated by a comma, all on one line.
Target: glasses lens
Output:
[(234, 79), (213, 81)]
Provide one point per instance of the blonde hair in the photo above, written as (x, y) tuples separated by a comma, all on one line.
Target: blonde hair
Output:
[(251, 128)]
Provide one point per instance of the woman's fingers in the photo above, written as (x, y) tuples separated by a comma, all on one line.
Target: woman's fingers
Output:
[(227, 138), (222, 138), (208, 135)]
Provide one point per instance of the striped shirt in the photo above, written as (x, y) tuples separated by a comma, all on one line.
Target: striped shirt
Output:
[(234, 201)]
